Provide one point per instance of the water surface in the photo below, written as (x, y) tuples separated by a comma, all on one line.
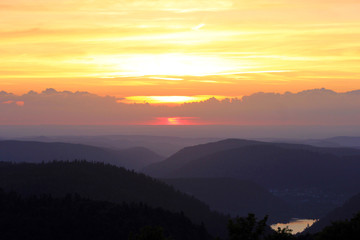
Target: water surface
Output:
[(296, 224)]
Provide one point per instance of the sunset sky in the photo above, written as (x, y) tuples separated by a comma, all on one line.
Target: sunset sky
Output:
[(188, 50)]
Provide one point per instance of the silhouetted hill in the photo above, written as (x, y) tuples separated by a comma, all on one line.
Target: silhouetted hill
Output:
[(235, 197), (346, 141), (139, 157), (164, 145), (22, 151), (106, 183), (271, 164), (347, 211), (273, 167), (333, 142), (348, 229), (73, 217), (315, 179), (190, 154)]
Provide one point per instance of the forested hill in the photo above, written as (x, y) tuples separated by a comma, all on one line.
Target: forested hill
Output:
[(273, 165), (189, 154), (37, 152), (347, 211), (73, 217), (106, 183), (236, 197)]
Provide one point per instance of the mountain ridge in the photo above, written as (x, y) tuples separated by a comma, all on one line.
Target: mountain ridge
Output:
[(31, 151)]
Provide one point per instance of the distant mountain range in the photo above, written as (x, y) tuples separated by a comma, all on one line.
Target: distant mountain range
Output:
[(106, 183), (36, 152), (334, 142), (163, 145)]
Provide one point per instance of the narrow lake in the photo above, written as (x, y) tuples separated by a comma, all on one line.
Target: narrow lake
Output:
[(297, 225)]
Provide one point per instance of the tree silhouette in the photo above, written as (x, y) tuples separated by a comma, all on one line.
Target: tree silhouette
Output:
[(149, 233), (349, 230), (246, 228), (281, 234)]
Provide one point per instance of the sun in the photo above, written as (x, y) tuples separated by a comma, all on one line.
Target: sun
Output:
[(175, 121)]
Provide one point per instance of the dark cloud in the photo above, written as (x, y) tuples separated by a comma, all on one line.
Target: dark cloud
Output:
[(311, 107)]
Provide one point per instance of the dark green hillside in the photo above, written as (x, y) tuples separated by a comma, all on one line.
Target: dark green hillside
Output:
[(73, 217), (348, 229), (235, 197), (106, 183), (347, 211), (36, 152)]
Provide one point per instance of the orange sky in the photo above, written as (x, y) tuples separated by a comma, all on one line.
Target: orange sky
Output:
[(134, 48)]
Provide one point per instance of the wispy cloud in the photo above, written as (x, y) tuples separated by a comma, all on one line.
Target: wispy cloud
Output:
[(246, 43)]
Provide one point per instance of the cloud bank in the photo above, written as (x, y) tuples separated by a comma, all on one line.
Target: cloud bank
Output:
[(311, 107)]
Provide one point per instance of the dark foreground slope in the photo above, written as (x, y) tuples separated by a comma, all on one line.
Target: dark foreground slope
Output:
[(73, 217), (106, 183), (348, 229), (347, 211), (26, 151), (235, 197)]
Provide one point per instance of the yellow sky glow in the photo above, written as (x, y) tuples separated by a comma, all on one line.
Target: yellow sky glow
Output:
[(179, 48), (168, 99)]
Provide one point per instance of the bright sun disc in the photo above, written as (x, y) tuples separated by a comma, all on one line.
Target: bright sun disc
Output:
[(173, 121), (176, 121)]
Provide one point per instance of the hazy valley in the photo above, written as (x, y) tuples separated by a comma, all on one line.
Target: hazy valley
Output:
[(208, 182)]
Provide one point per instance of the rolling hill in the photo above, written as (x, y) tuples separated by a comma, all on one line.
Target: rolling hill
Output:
[(164, 145), (189, 154), (36, 152), (333, 142), (274, 165), (314, 179)]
